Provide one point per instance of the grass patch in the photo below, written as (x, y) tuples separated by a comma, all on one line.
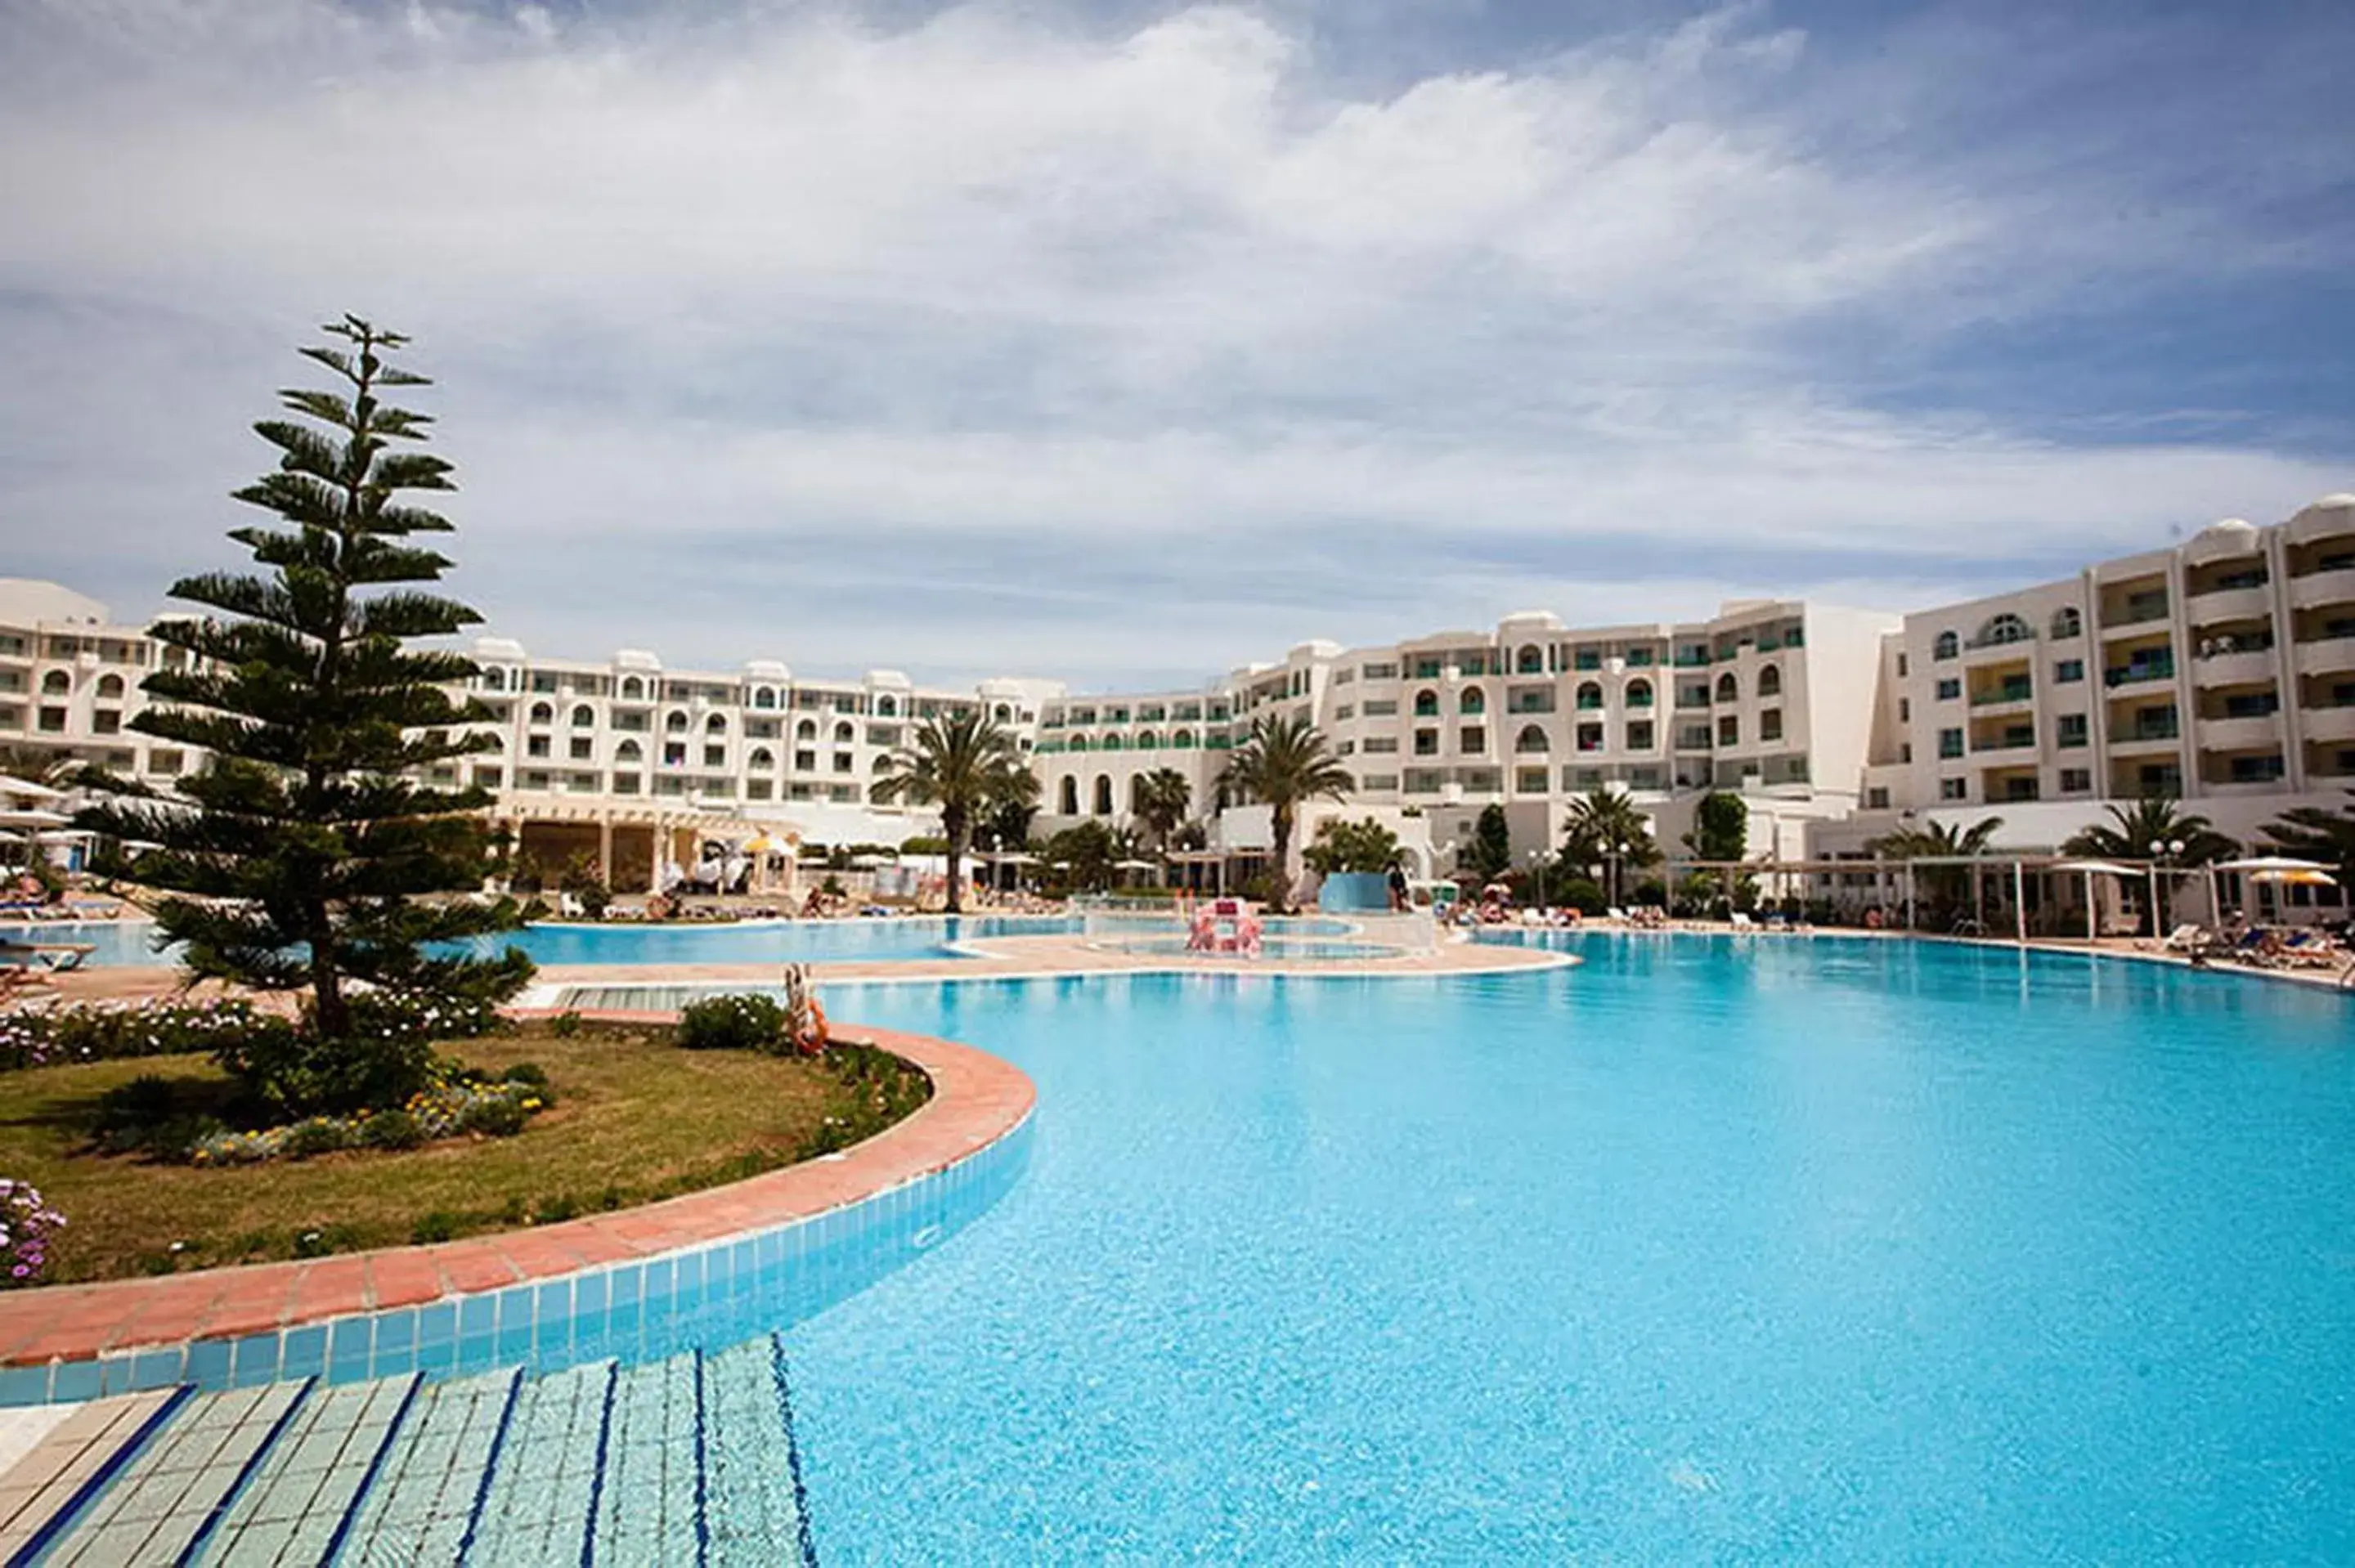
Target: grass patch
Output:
[(636, 1120)]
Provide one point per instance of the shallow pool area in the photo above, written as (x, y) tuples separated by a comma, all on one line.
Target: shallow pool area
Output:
[(1708, 1250)]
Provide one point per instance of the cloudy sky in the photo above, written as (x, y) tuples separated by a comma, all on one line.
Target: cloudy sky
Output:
[(1127, 342)]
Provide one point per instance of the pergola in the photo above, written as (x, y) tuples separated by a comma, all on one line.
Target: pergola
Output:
[(657, 825)]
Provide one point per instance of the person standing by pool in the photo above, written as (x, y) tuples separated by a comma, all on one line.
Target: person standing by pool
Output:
[(1398, 888)]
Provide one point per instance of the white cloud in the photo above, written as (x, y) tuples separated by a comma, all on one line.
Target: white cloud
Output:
[(700, 295)]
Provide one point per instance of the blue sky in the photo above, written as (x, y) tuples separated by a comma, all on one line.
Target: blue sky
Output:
[(1125, 342)]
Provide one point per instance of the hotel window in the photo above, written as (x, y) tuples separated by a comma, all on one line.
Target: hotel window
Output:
[(1378, 782), (1946, 646), (1530, 780), (541, 682), (676, 723), (1344, 714), (2073, 732), (1639, 736), (2076, 780), (1950, 688), (2067, 623), (1531, 739), (1427, 743), (583, 716), (1590, 694), (1770, 724), (584, 748), (55, 683), (1378, 671), (842, 734), (1876, 799), (1380, 707), (806, 760), (1377, 743), (1426, 669), (1641, 658), (536, 746), (1589, 737), (627, 752), (842, 763), (715, 756), (1950, 743), (1904, 751), (1472, 739), (1770, 682), (1729, 730), (757, 790), (488, 777), (106, 721), (111, 686), (1532, 663), (632, 689), (1728, 688), (1426, 704), (1954, 788), (1473, 701), (1900, 667), (1904, 710), (2068, 671)]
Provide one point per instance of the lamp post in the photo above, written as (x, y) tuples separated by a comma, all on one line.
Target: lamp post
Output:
[(2161, 852), (1616, 851)]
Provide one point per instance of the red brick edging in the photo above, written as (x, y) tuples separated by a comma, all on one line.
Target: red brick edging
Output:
[(977, 1100)]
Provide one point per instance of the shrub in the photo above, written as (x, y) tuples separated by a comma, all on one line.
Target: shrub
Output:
[(28, 1229), (554, 1210), (493, 1115), (437, 1226), (128, 1114), (1580, 894), (392, 1129), (113, 1032), (746, 1022), (315, 1135), (565, 1024)]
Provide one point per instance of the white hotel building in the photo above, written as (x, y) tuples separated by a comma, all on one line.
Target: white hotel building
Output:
[(2221, 671)]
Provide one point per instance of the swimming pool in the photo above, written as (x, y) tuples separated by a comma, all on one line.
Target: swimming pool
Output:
[(730, 942), (733, 942), (1707, 1250)]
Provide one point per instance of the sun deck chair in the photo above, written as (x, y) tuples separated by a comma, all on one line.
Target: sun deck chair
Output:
[(2188, 938), (1620, 915), (1743, 922), (46, 957)]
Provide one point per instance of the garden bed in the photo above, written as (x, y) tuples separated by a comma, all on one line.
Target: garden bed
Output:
[(635, 1120)]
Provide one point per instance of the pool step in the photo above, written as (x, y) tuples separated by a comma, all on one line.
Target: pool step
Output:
[(688, 1460), (309, 1482), (173, 1492), (69, 1464)]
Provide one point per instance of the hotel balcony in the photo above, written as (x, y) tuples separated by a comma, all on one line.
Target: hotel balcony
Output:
[(1977, 654), (2246, 667), (2133, 674), (2327, 656), (2013, 694), (2323, 587), (2252, 733), (2331, 724), (2328, 760), (2126, 618), (2229, 604), (2147, 738)]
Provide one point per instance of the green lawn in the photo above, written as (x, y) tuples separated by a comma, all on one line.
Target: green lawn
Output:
[(637, 1118)]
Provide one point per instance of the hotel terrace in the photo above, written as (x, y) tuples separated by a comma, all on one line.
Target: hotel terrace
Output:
[(2221, 671)]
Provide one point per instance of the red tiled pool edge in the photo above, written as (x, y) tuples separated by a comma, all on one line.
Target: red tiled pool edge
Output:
[(977, 1100)]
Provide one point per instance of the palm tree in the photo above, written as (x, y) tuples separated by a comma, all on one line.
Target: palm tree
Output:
[(964, 764), (2143, 830), (1285, 763), (1597, 823), (2316, 833), (1162, 799), (1939, 841)]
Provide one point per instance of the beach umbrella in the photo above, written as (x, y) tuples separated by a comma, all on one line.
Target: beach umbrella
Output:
[(2258, 866)]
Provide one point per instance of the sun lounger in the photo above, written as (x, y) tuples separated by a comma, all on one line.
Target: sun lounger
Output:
[(1743, 922), (51, 958)]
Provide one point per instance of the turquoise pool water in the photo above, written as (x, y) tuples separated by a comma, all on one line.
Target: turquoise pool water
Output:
[(735, 942), (1788, 1251)]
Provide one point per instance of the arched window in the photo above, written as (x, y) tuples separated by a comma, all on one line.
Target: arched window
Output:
[(1183, 740), (716, 724), (805, 730), (1103, 795), (676, 723), (1071, 797), (1590, 694), (764, 698), (1946, 647), (762, 757), (1079, 743), (1148, 741), (2002, 629), (583, 716), (885, 706), (1728, 688), (882, 764), (1770, 682), (1426, 704), (1532, 660), (2067, 623), (1639, 693), (109, 686), (542, 713), (631, 687), (1473, 701), (495, 679), (1531, 739), (628, 752), (1111, 743), (498, 742), (1135, 793), (1002, 713), (842, 733)]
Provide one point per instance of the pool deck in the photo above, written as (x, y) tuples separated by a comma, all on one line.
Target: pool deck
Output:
[(977, 1100)]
